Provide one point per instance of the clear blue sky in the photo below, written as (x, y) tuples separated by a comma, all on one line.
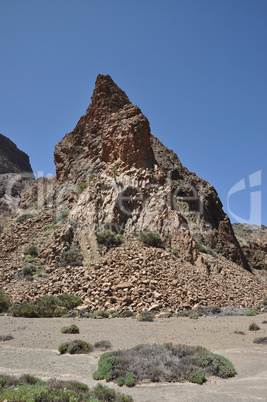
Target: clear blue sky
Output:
[(196, 68)]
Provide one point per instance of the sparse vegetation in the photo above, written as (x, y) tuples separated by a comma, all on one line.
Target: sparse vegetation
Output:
[(24, 217), (150, 238), (262, 339), (264, 301), (5, 302), (147, 316), (71, 257), (253, 327), (31, 250), (61, 216), (102, 345), (47, 306), (162, 363), (250, 313), (239, 332), (72, 329), (203, 249), (4, 338), (75, 347), (109, 239), (29, 388), (82, 186), (99, 313), (194, 316), (126, 313)]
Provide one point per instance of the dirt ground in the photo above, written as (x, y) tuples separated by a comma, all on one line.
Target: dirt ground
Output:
[(34, 350)]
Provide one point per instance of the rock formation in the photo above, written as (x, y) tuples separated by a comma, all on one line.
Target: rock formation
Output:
[(138, 183), (112, 173), (15, 176)]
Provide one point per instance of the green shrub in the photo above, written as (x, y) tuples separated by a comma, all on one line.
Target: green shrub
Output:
[(61, 216), (150, 238), (75, 347), (250, 313), (194, 316), (264, 301), (147, 316), (253, 327), (109, 239), (126, 313), (162, 363), (73, 329), (31, 250), (120, 381), (47, 306), (29, 269), (28, 388), (71, 257), (262, 339), (129, 380), (5, 302), (23, 217), (198, 377), (99, 313)]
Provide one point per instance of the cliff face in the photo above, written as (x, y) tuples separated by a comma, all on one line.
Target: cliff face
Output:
[(12, 159), (133, 182), (15, 176)]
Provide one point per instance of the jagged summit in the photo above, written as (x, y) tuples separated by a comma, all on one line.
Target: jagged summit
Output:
[(12, 159), (113, 131)]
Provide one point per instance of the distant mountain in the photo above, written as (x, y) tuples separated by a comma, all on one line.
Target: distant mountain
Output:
[(15, 176)]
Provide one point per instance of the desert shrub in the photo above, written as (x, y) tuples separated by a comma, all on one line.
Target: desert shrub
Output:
[(194, 316), (102, 345), (264, 322), (47, 306), (198, 377), (162, 363), (28, 388), (203, 249), (109, 239), (29, 269), (150, 238), (5, 302), (250, 313), (75, 347), (120, 381), (264, 301), (126, 313), (70, 257), (61, 216), (31, 250), (262, 339), (73, 329), (239, 332), (253, 327), (23, 217), (99, 313), (147, 316), (4, 338)]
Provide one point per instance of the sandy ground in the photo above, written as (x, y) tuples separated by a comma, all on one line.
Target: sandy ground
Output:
[(34, 350)]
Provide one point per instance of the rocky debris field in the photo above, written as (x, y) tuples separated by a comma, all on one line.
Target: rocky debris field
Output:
[(139, 277)]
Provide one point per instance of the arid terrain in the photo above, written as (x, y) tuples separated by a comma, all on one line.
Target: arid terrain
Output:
[(34, 350)]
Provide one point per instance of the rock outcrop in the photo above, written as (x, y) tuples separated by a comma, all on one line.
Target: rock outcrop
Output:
[(15, 176), (135, 183)]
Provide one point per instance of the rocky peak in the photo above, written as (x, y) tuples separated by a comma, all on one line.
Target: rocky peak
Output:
[(12, 159), (113, 131)]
